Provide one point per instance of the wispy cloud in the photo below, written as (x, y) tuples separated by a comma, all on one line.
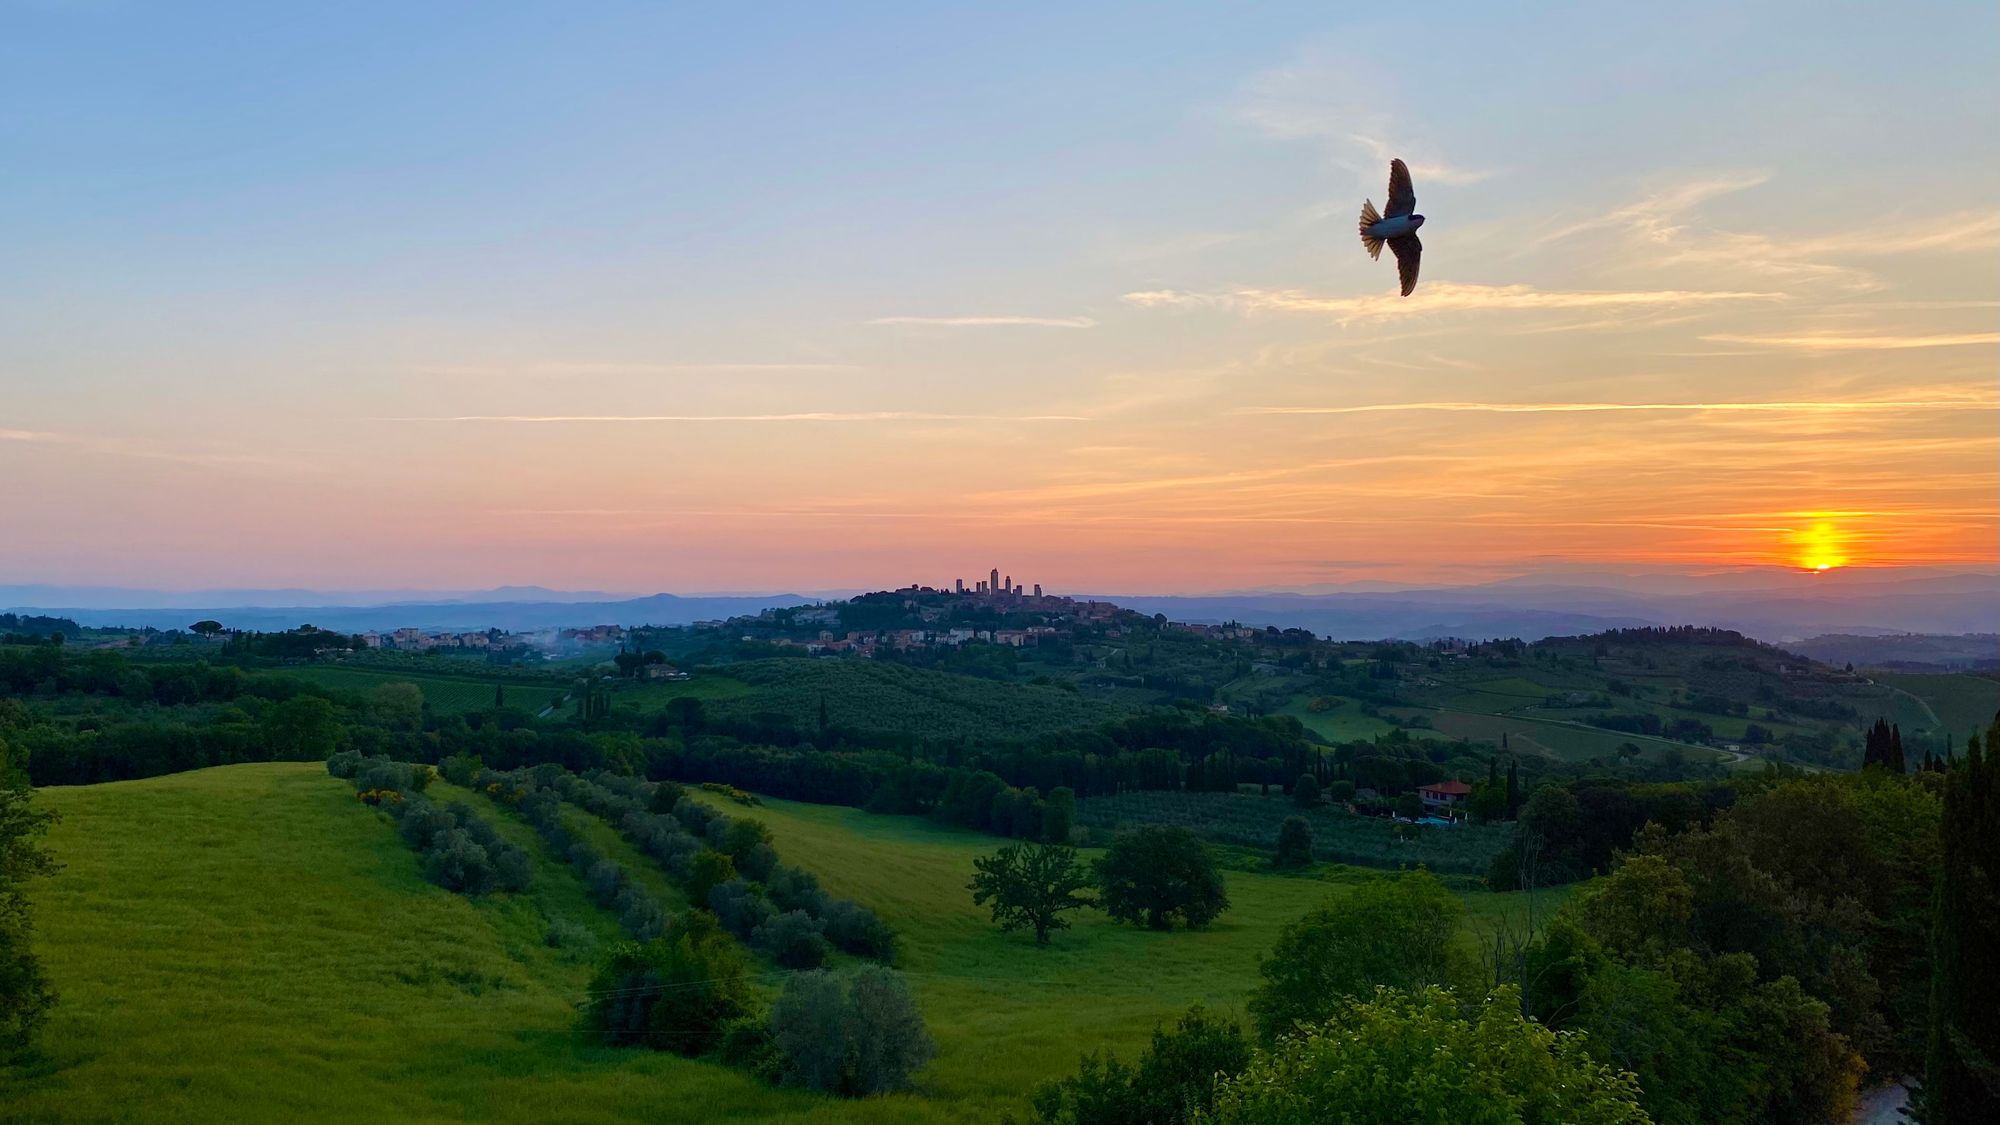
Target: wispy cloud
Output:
[(1324, 95), (1838, 342), (802, 416), (124, 447), (1659, 230), (1833, 407), (991, 321), (1443, 296), (579, 369)]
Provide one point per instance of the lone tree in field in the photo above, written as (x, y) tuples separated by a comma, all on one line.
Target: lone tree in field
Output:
[(206, 627), (1030, 885), (1156, 874)]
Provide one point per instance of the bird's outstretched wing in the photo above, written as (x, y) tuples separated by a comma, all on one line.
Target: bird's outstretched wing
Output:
[(1409, 254), (1402, 193)]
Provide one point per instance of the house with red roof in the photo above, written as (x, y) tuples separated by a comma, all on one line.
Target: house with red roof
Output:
[(1444, 794)]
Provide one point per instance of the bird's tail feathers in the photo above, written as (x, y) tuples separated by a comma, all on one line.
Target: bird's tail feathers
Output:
[(1369, 217)]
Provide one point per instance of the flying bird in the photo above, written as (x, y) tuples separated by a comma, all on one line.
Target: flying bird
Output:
[(1398, 227)]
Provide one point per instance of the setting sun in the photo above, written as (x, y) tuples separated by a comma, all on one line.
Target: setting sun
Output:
[(1821, 546)]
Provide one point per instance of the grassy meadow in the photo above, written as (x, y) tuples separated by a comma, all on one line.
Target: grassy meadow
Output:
[(445, 693), (1960, 701), (248, 943)]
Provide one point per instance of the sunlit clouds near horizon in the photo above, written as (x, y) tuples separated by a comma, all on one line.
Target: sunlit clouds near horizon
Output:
[(804, 299)]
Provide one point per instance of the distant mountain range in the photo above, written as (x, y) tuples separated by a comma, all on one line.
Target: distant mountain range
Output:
[(465, 613), (1773, 606)]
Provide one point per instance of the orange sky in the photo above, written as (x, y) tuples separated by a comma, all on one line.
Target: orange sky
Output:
[(1111, 330)]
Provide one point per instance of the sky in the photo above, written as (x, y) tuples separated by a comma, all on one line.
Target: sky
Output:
[(764, 297)]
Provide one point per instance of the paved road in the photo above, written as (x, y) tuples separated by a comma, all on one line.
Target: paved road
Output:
[(1881, 1106)]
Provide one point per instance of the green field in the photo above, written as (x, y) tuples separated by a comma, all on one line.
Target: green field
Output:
[(1962, 702), (1253, 820), (1559, 739), (250, 944), (705, 686), (1344, 723), (446, 694), (891, 698)]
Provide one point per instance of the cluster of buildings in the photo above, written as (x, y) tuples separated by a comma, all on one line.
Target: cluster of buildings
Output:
[(495, 640), (865, 643), (993, 586)]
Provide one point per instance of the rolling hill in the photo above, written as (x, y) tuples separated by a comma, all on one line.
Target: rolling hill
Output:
[(249, 943)]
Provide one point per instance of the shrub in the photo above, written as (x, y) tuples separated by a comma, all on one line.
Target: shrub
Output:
[(420, 822), (793, 939), (742, 834), (1173, 1084), (513, 869), (462, 769), (793, 889), (1340, 792), (640, 913), (757, 862), (344, 764), (706, 871), (1397, 932), (1295, 843), (858, 1036), (1305, 791), (1155, 874), (747, 1044), (604, 880), (454, 862), (675, 993), (1401, 1057), (571, 937), (739, 906), (857, 930)]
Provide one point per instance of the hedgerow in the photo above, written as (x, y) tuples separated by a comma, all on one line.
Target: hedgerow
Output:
[(460, 851)]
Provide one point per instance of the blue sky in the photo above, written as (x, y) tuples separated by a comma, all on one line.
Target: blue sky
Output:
[(261, 255)]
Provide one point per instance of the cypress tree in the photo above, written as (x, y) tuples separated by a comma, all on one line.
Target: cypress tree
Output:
[(1896, 762), (499, 696), (1513, 791), (1962, 1060)]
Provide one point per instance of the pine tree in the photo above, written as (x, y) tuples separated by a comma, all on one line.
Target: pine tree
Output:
[(1962, 1062)]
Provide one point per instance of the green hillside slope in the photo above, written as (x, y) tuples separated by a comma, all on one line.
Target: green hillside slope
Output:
[(249, 944)]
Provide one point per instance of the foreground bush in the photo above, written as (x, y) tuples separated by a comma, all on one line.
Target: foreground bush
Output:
[(855, 1035), (676, 993), (1397, 932), (1173, 1084), (1416, 1058)]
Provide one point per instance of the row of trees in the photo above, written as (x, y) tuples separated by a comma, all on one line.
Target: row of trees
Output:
[(461, 851), (1155, 877), (689, 991)]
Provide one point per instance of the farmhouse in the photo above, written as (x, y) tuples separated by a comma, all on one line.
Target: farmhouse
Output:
[(1444, 793)]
